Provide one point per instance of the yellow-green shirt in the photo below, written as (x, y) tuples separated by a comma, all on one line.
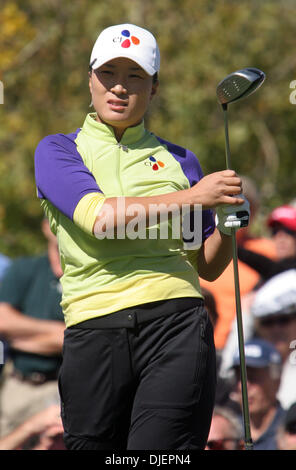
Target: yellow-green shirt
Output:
[(75, 173)]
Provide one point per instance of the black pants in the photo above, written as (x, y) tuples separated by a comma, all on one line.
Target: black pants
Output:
[(143, 387)]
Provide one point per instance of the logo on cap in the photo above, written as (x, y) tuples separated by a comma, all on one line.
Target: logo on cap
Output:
[(126, 39)]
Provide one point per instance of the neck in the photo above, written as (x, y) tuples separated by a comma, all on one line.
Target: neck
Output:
[(260, 422), (118, 132)]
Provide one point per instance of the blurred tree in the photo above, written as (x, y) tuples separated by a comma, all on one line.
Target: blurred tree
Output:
[(44, 54)]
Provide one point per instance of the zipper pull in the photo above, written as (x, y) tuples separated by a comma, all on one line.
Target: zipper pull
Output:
[(123, 147)]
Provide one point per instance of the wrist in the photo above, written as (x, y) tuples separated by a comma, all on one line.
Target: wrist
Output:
[(187, 197)]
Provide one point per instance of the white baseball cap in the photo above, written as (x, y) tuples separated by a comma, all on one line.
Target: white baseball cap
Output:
[(129, 41), (276, 296)]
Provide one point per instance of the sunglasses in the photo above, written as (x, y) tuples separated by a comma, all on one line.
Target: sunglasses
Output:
[(291, 428), (220, 444), (280, 320), (282, 228)]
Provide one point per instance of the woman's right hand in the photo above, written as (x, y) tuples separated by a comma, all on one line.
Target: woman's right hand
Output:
[(217, 188)]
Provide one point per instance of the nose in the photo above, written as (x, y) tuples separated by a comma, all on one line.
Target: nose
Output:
[(119, 89)]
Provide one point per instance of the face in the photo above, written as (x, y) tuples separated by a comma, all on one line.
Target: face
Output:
[(280, 330), (262, 389), (121, 92), (285, 243), (222, 436), (286, 441)]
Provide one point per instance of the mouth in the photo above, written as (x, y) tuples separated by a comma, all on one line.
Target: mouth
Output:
[(117, 105)]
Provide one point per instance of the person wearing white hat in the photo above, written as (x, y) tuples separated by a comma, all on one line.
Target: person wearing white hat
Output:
[(138, 366), (274, 312), (132, 52)]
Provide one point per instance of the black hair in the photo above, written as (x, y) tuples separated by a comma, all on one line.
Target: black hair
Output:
[(155, 78)]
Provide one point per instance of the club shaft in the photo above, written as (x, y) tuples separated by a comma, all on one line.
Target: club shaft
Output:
[(227, 146), (243, 371)]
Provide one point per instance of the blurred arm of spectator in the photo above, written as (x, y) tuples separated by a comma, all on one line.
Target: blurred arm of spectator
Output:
[(260, 263), (263, 265), (46, 425), (30, 334)]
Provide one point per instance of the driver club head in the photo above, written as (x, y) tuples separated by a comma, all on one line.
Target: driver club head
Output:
[(239, 84)]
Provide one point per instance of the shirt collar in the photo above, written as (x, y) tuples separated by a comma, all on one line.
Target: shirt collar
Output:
[(103, 131)]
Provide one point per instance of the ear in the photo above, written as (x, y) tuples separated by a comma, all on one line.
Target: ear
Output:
[(90, 81), (154, 89)]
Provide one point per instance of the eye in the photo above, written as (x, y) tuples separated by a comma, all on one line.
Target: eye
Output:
[(136, 75), (105, 73)]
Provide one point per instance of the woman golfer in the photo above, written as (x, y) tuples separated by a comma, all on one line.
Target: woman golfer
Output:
[(138, 366)]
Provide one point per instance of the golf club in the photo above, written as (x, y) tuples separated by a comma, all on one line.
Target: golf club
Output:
[(234, 87)]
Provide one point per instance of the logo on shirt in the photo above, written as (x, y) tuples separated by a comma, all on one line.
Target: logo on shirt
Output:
[(155, 164), (126, 39)]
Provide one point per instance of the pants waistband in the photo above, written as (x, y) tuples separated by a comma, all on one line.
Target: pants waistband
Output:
[(132, 316)]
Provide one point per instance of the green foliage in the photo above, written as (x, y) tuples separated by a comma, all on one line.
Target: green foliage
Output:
[(44, 54)]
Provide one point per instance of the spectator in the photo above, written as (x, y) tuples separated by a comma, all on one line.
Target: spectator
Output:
[(274, 311), (226, 431), (223, 287), (263, 363), (42, 431), (31, 321), (282, 222), (286, 437)]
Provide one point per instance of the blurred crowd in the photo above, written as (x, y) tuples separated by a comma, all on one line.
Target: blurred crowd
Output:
[(32, 328), (267, 276), (31, 333)]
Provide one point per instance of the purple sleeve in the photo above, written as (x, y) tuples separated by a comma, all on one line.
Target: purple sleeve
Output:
[(61, 176), (192, 170)]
